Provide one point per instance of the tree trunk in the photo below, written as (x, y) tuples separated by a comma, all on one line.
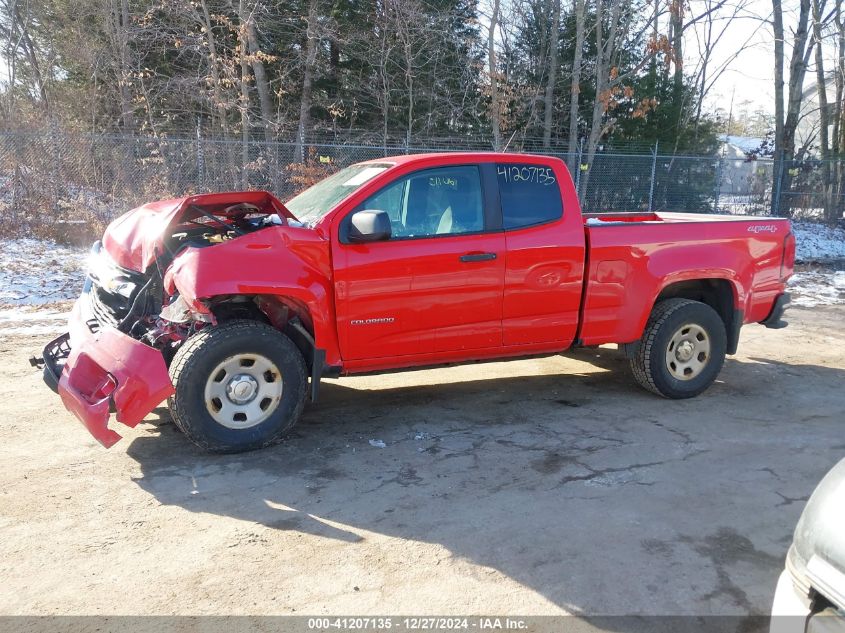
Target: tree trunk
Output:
[(797, 70), (127, 117), (549, 99), (307, 80), (705, 62), (244, 106), (495, 109), (676, 15), (384, 75), (605, 49), (575, 84), (214, 70), (839, 82), (838, 136), (824, 122), (777, 174), (11, 58), (35, 67), (262, 86)]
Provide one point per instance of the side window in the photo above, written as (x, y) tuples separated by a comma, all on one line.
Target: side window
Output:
[(529, 193), (389, 199), (443, 201)]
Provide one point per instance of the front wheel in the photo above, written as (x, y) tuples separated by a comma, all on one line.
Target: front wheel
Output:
[(240, 386), (682, 349)]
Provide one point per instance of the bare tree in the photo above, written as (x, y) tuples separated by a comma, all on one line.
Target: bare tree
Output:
[(838, 132), (785, 140), (262, 85), (824, 120), (311, 37), (219, 104), (709, 28), (495, 106), (244, 99), (549, 97), (838, 142), (575, 83), (607, 76), (676, 25), (20, 39), (121, 25)]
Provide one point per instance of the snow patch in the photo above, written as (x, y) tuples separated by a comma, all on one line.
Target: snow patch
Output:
[(33, 321), (38, 279), (818, 242), (35, 272), (817, 288)]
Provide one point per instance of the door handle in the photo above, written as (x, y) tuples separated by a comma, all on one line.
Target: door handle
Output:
[(478, 257)]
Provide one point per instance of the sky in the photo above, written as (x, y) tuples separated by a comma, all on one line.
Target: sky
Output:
[(749, 76)]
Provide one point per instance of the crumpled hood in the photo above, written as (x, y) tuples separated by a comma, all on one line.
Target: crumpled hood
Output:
[(132, 240), (136, 238)]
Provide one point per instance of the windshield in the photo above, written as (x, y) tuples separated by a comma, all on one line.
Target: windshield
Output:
[(313, 203)]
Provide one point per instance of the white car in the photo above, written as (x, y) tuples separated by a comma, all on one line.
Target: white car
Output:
[(810, 595)]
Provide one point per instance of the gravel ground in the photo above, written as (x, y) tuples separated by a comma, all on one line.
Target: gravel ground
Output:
[(531, 487)]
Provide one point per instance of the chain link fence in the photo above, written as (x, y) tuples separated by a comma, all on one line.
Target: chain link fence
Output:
[(59, 184)]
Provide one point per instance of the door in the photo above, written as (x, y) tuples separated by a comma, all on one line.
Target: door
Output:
[(436, 286), (545, 264)]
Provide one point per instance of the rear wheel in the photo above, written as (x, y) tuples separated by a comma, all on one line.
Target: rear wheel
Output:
[(240, 386), (682, 349)]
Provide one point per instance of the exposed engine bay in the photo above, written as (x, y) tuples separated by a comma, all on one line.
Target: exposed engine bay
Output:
[(203, 226)]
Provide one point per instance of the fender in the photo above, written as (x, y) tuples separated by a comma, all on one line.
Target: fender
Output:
[(281, 261), (621, 293), (710, 263)]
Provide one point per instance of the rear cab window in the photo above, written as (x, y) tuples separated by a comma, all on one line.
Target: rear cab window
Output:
[(529, 193)]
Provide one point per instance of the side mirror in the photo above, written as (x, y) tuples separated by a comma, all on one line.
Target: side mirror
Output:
[(369, 226)]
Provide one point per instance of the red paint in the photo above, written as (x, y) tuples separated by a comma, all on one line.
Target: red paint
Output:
[(412, 302), (110, 365)]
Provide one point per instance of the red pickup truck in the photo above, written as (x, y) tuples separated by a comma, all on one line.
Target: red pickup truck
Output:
[(227, 305)]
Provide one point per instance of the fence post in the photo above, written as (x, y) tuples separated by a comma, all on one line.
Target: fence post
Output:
[(653, 173), (718, 185), (578, 170), (55, 164), (200, 161), (777, 173)]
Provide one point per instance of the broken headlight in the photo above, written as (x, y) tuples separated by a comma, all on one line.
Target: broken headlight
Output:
[(107, 275)]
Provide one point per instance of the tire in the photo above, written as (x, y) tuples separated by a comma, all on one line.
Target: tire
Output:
[(240, 386), (682, 349)]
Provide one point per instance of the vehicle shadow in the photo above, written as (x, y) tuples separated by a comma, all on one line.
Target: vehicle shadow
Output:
[(582, 487)]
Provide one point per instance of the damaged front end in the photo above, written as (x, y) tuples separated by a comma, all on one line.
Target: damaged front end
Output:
[(124, 328)]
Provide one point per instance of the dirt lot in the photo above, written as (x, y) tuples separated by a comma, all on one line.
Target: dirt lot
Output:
[(531, 487)]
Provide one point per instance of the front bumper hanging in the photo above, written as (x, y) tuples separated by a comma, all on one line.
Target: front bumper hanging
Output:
[(52, 360), (95, 372)]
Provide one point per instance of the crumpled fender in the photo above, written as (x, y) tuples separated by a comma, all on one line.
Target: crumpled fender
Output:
[(106, 367), (282, 261)]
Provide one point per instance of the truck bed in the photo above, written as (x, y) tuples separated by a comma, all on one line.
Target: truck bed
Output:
[(646, 217), (632, 256)]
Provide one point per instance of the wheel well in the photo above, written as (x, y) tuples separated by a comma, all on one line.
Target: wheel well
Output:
[(271, 309), (283, 313), (716, 293), (231, 307)]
